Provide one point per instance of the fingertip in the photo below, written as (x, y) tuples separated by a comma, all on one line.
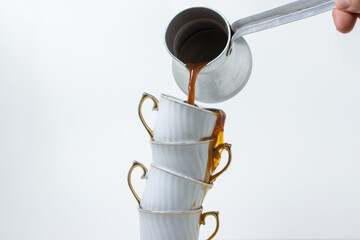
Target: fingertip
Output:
[(344, 21)]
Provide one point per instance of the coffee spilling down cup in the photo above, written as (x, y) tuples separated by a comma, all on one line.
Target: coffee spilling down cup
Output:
[(191, 159), (211, 63), (168, 191), (177, 121), (155, 225)]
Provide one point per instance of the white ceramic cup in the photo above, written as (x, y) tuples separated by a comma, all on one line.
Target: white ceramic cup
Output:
[(174, 225), (191, 159), (177, 121), (168, 191)]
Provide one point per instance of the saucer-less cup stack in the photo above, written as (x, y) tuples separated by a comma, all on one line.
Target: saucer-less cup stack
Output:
[(181, 171)]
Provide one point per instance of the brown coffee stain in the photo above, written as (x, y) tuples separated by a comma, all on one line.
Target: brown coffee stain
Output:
[(194, 70), (218, 136)]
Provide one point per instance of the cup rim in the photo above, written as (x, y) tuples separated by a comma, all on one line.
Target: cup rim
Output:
[(207, 185), (179, 101), (201, 142), (199, 210), (228, 42)]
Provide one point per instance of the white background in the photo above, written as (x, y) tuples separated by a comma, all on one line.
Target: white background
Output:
[(71, 76)]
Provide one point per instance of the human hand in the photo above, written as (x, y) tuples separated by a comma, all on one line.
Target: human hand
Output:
[(345, 14)]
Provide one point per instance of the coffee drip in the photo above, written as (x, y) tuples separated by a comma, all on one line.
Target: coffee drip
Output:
[(218, 136)]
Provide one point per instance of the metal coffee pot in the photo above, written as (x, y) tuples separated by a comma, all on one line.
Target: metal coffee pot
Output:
[(201, 34)]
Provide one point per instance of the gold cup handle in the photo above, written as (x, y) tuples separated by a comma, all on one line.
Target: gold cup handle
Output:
[(216, 216), (144, 176), (155, 107), (227, 147)]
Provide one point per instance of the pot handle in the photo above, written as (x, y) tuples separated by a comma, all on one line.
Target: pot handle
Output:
[(216, 216), (281, 15), (144, 176), (155, 107), (218, 150)]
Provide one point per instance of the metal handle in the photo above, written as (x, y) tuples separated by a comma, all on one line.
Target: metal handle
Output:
[(278, 16), (218, 150), (155, 107), (216, 216), (144, 176)]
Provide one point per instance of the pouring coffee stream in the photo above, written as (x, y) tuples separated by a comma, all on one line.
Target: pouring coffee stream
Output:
[(194, 70), (218, 132), (203, 35)]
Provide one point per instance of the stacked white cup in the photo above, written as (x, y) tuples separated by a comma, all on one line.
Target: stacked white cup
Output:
[(180, 174)]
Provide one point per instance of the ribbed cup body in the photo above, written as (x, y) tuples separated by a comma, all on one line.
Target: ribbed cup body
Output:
[(187, 159), (167, 191), (169, 225), (178, 121)]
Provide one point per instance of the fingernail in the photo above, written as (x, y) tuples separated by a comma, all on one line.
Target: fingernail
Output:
[(342, 4)]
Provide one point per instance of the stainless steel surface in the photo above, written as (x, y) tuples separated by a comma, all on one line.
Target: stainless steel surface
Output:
[(229, 64), (278, 16), (204, 35)]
